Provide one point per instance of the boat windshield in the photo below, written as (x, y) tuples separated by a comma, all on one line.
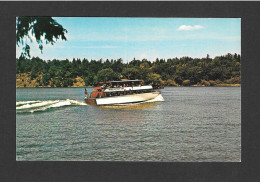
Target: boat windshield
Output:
[(126, 83), (121, 83)]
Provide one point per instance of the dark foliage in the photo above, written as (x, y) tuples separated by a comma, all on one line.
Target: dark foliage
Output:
[(184, 71), (42, 28)]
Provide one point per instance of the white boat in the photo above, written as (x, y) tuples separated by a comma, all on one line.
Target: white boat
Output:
[(121, 92)]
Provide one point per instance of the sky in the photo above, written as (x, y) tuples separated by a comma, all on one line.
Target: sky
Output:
[(139, 38)]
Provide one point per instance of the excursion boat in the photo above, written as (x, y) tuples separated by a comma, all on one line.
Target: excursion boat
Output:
[(121, 92)]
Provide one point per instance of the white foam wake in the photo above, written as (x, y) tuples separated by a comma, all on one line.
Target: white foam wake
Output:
[(159, 98), (32, 106), (25, 102), (38, 104)]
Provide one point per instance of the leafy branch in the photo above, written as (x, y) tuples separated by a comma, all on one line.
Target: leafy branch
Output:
[(43, 29)]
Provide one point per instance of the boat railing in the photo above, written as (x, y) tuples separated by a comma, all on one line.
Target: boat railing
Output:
[(121, 89)]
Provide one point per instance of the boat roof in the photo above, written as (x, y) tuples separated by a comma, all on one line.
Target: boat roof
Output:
[(121, 81), (104, 82)]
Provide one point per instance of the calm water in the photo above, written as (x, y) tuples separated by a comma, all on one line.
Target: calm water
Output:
[(192, 124)]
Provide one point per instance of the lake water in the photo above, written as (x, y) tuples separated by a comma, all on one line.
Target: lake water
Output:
[(191, 124)]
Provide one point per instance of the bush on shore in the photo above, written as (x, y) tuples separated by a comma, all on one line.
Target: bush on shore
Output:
[(186, 83)]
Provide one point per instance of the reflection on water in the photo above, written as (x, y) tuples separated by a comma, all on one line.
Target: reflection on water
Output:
[(192, 124)]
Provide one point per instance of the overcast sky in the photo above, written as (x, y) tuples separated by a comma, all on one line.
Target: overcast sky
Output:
[(150, 38)]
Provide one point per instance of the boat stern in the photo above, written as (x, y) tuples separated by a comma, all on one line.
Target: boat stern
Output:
[(90, 101)]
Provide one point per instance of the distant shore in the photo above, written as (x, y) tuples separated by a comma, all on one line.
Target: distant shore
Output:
[(219, 85), (24, 80)]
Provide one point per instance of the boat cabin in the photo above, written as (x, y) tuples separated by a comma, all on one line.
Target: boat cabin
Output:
[(119, 88), (126, 83)]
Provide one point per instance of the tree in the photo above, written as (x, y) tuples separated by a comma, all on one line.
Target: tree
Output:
[(145, 69), (107, 75), (135, 62), (155, 79), (46, 79), (194, 74), (61, 73), (117, 65), (131, 73), (42, 28)]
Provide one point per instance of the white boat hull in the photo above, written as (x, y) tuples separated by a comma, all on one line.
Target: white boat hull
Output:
[(124, 99)]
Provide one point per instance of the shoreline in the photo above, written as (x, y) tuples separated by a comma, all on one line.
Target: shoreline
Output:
[(25, 81), (219, 85)]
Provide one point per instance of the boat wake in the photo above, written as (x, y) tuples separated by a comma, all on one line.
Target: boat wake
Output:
[(36, 106), (159, 98), (33, 106)]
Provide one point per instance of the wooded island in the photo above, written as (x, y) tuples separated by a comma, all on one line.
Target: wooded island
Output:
[(184, 71)]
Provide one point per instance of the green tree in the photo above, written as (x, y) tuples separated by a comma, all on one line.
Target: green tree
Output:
[(107, 75), (46, 79), (145, 69), (131, 73), (194, 74), (155, 80), (42, 28), (117, 65), (205, 71)]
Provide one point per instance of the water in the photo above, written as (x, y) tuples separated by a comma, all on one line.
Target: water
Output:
[(192, 124)]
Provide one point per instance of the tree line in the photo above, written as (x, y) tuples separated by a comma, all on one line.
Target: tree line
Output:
[(184, 71)]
